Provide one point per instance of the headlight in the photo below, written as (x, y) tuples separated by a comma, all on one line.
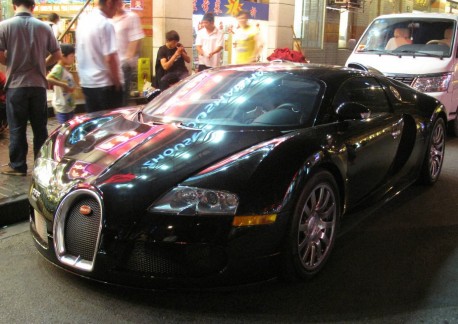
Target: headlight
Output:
[(438, 83), (43, 171), (196, 201)]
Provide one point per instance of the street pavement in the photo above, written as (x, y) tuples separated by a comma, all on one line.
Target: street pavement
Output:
[(13, 189)]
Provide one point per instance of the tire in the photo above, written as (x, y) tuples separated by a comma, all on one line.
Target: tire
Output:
[(434, 157), (313, 228)]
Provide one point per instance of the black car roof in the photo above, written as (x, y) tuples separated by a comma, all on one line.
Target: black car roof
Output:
[(328, 73)]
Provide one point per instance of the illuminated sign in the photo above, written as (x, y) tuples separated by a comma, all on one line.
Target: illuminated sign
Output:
[(58, 7), (230, 8)]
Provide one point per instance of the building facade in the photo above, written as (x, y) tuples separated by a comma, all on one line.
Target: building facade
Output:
[(322, 29)]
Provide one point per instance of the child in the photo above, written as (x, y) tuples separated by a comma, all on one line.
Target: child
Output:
[(63, 100)]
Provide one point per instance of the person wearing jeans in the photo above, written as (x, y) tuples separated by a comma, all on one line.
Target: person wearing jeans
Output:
[(27, 46), (26, 104)]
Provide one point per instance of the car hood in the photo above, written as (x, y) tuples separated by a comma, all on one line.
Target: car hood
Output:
[(124, 152), (405, 64)]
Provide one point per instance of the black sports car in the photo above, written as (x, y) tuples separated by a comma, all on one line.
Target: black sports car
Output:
[(234, 175)]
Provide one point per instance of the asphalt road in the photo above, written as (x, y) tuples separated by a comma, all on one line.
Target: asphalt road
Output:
[(400, 265)]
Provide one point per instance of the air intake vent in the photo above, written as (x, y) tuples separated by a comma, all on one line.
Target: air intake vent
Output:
[(81, 231), (407, 79), (77, 227)]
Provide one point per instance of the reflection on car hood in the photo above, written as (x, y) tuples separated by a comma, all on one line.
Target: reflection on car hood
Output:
[(123, 148)]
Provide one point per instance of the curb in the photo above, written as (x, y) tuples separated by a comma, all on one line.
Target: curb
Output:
[(14, 210)]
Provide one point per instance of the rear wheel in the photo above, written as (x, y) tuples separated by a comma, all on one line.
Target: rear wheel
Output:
[(434, 157), (313, 228)]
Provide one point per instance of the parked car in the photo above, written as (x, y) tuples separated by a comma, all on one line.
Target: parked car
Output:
[(419, 49), (234, 175)]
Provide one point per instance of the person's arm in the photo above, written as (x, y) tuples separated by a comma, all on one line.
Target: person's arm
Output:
[(185, 55), (52, 80), (220, 44), (132, 49), (3, 57), (53, 58), (135, 36), (217, 50), (258, 47), (199, 49), (112, 61), (167, 64)]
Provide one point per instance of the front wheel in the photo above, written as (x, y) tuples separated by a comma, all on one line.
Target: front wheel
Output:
[(434, 157), (313, 228)]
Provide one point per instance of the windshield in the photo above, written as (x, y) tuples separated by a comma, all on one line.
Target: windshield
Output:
[(407, 36), (238, 97)]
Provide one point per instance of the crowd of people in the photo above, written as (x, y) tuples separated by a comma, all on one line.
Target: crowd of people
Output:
[(107, 50), (170, 62)]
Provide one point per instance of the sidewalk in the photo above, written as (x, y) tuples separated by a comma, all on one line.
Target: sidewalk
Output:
[(14, 206)]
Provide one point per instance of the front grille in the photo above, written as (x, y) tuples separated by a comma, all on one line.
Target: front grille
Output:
[(76, 236), (406, 79), (175, 260), (81, 231)]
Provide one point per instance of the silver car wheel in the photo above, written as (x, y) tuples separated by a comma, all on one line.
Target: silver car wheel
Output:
[(317, 227), (437, 148)]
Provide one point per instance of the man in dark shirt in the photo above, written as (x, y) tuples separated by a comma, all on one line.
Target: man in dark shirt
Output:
[(170, 61), (25, 47)]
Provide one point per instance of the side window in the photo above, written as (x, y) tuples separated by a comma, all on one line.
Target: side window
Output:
[(366, 91)]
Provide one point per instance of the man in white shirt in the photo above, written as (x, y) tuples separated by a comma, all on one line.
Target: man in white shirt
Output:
[(209, 43), (53, 20), (99, 68), (129, 34)]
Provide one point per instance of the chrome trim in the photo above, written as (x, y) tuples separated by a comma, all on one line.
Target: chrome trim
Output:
[(35, 234), (59, 231)]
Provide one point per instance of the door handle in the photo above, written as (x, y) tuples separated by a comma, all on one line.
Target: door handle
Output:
[(396, 130)]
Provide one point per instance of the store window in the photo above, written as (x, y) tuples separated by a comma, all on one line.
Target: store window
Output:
[(309, 22)]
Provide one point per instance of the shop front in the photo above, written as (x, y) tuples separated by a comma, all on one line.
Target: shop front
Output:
[(225, 12)]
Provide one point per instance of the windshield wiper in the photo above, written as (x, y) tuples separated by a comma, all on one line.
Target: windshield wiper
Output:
[(440, 56), (376, 51), (188, 126), (147, 119)]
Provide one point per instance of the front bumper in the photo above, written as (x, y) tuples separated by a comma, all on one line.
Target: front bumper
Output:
[(162, 252)]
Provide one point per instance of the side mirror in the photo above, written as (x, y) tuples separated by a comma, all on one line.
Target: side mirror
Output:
[(351, 44), (153, 94), (353, 111)]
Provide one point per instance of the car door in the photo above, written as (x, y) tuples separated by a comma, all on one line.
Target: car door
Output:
[(371, 143)]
